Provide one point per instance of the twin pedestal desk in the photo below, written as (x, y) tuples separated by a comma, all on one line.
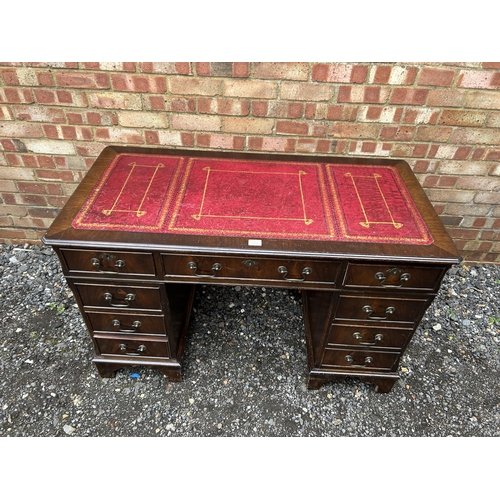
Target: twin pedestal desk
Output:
[(358, 237)]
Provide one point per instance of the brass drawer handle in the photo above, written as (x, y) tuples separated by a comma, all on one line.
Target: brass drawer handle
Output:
[(135, 325), (194, 268), (358, 336), (369, 310), (128, 298), (139, 350), (382, 277), (306, 271), (118, 264), (368, 361)]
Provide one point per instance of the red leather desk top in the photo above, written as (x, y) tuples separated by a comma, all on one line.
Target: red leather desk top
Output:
[(255, 199)]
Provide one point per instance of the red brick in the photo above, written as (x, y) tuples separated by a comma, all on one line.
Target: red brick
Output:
[(203, 140), (292, 128), (152, 137), (436, 77), (295, 109), (342, 113), (157, 103), (397, 133), (139, 83), (339, 73), (401, 95), (18, 96), (183, 68), (382, 74), (180, 104), (241, 70), (202, 69), (51, 131), (45, 96), (362, 94), (187, 139), (81, 79), (323, 146), (319, 130), (9, 76), (238, 142), (259, 108), (55, 175)]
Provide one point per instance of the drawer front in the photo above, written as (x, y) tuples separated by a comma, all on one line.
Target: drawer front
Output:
[(127, 323), (393, 277), (109, 264), (367, 336), (132, 347), (119, 297), (282, 271), (360, 360), (380, 309)]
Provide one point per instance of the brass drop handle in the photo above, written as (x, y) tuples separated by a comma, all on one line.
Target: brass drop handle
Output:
[(368, 361), (118, 264), (369, 310), (216, 267), (382, 277), (306, 271), (358, 336), (139, 350), (135, 325), (128, 298)]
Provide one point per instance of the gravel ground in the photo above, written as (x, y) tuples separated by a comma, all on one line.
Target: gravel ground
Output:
[(244, 367)]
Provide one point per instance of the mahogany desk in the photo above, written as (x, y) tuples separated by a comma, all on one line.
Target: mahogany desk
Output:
[(357, 236)]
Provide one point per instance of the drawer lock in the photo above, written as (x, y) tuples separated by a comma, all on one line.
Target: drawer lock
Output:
[(369, 311)]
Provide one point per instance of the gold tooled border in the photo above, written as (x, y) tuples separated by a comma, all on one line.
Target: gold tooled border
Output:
[(427, 240), (162, 213), (330, 235)]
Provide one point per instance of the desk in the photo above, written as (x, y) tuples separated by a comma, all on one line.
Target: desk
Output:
[(357, 236)]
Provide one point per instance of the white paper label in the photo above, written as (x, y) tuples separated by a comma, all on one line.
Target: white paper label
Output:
[(254, 243)]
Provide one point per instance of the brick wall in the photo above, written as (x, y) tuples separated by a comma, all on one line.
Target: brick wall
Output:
[(443, 118)]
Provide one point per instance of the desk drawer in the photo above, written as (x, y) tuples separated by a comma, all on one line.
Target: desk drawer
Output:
[(205, 267), (380, 309), (132, 347), (393, 277), (120, 297), (140, 324), (109, 264), (368, 336), (360, 360)]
